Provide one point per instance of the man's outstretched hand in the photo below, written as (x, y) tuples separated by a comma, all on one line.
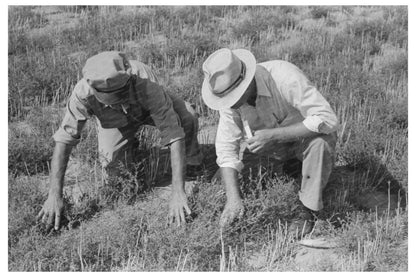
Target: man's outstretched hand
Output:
[(232, 211), (178, 203), (52, 212)]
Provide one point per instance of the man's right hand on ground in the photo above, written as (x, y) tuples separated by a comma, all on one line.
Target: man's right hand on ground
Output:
[(51, 212), (232, 210)]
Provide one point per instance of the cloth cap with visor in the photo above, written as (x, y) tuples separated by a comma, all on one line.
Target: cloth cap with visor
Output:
[(109, 73)]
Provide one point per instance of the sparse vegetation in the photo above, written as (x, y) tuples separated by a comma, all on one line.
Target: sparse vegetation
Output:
[(358, 58)]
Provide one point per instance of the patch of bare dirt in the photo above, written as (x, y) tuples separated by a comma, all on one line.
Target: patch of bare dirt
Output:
[(313, 259)]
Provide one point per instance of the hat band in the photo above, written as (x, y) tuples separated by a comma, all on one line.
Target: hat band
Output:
[(236, 82), (123, 88)]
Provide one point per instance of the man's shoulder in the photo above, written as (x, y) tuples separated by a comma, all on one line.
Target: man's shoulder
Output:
[(83, 90), (281, 70), (142, 70), (137, 65), (278, 65)]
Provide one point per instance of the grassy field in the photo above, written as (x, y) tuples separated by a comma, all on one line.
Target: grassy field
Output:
[(356, 56)]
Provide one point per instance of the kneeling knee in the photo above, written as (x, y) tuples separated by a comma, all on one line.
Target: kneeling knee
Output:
[(321, 143)]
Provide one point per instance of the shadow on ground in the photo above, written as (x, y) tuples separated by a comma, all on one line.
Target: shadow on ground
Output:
[(369, 187)]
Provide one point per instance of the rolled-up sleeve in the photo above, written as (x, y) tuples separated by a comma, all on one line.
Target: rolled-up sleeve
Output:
[(76, 115), (318, 114), (227, 142), (164, 116)]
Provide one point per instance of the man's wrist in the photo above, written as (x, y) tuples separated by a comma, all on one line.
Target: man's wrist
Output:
[(234, 197), (56, 190), (178, 187), (276, 134)]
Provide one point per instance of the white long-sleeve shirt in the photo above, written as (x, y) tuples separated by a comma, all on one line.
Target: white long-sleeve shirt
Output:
[(284, 97)]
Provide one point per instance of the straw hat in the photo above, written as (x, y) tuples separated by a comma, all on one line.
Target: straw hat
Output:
[(228, 73)]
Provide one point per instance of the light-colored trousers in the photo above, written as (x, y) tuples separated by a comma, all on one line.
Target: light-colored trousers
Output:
[(317, 155), (117, 145)]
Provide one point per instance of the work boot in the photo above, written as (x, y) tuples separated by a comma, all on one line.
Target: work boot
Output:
[(303, 221)]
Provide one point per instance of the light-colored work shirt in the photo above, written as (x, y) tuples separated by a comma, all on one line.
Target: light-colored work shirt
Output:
[(147, 101), (284, 97)]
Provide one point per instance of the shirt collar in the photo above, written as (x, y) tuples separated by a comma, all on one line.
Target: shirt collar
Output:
[(130, 102), (124, 107)]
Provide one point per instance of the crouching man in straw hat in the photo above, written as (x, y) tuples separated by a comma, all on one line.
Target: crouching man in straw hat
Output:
[(280, 113), (123, 95)]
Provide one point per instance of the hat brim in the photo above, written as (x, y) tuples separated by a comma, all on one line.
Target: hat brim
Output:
[(227, 101), (112, 98)]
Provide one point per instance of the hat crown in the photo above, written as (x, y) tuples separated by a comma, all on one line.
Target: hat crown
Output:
[(107, 71), (223, 69)]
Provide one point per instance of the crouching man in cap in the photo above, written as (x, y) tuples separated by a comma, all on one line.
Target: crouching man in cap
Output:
[(281, 114), (123, 95)]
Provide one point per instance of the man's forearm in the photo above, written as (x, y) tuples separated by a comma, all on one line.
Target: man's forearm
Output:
[(58, 167), (177, 153), (293, 132), (230, 180)]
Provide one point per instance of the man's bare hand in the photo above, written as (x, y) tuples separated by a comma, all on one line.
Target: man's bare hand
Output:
[(52, 212), (258, 142), (178, 203), (233, 210)]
